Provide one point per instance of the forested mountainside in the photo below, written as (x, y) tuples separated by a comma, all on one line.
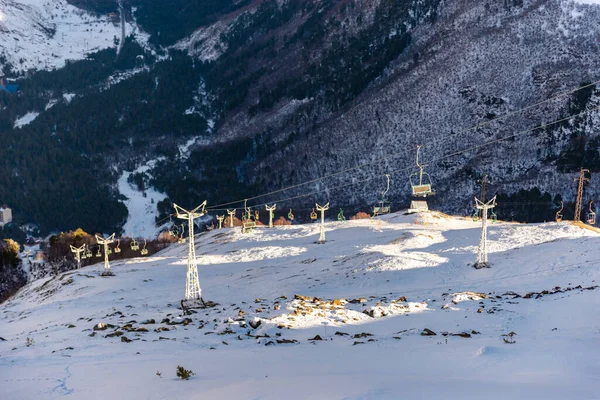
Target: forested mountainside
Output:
[(276, 93)]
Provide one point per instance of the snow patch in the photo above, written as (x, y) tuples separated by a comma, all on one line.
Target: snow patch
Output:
[(26, 119), (141, 205), (68, 97)]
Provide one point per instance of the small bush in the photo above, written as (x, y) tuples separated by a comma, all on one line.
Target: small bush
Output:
[(360, 215), (184, 373), (282, 221), (29, 342), (236, 222)]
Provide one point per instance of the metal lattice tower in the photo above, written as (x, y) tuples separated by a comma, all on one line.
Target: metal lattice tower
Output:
[(322, 210), (231, 217), (105, 242), (482, 258), (78, 251), (192, 283), (271, 210), (582, 179), (220, 218)]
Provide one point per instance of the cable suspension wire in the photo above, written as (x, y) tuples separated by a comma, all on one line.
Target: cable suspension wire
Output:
[(436, 160), (475, 127)]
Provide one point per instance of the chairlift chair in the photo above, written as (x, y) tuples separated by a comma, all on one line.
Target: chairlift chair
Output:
[(134, 245), (83, 254), (591, 216), (384, 206), (558, 217), (313, 215), (144, 250), (118, 249), (108, 250), (291, 215), (174, 231), (88, 252), (99, 253), (475, 216), (423, 188), (248, 221), (493, 215), (341, 216), (181, 232)]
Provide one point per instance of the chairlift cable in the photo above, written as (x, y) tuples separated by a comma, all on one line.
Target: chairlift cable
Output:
[(475, 127)]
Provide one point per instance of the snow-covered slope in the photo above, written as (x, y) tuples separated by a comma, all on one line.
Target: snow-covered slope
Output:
[(369, 293), (43, 34)]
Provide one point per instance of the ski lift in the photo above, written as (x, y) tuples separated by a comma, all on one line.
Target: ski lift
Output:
[(108, 250), (558, 217), (384, 205), (134, 245), (256, 215), (248, 219), (181, 232), (341, 216), (88, 252), (475, 215), (493, 215), (313, 215), (173, 230), (591, 217), (144, 250), (422, 189), (99, 253), (83, 253), (118, 249), (290, 215)]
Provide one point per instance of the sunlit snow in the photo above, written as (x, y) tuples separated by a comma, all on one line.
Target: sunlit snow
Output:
[(299, 320)]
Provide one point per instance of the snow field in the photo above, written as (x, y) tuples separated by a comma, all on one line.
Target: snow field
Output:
[(369, 293)]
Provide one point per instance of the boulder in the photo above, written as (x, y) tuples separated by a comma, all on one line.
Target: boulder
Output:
[(255, 323), (428, 332)]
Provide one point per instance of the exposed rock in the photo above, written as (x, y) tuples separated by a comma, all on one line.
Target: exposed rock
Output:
[(316, 338), (124, 339), (149, 322), (255, 323), (357, 301), (462, 334), (102, 327), (284, 341), (428, 332)]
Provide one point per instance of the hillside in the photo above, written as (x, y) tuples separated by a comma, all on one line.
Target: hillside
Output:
[(271, 94), (369, 292)]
